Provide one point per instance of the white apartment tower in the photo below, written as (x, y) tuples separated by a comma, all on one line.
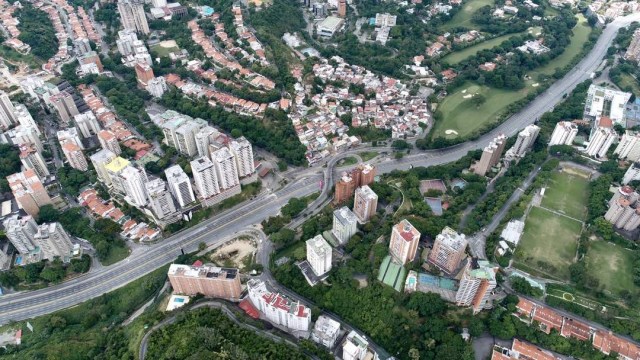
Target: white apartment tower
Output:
[(31, 159), (632, 174), (448, 250), (54, 241), (132, 15), (160, 200), (525, 140), (21, 232), (7, 111), (344, 224), (109, 141), (133, 184), (157, 86), (203, 138), (241, 149), (629, 146), (65, 106), (205, 177), (600, 141), (564, 133), (278, 308), (365, 203), (74, 155), (477, 282), (87, 124), (180, 185), (99, 161), (319, 255), (70, 135), (125, 42), (226, 169)]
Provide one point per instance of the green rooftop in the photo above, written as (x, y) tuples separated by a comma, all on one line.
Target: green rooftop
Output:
[(392, 274)]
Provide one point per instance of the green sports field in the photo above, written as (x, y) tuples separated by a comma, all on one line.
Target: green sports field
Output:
[(612, 265), (566, 193)]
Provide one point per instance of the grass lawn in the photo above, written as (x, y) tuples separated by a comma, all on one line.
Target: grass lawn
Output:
[(612, 265), (368, 155), (161, 51), (116, 254), (348, 161), (567, 194), (464, 117), (580, 36), (549, 242), (627, 80), (458, 56), (464, 16)]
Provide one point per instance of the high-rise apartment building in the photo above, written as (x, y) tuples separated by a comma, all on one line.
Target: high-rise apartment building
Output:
[(209, 281), (7, 111), (70, 135), (404, 242), (204, 137), (54, 242), (21, 232), (344, 224), (87, 124), (157, 86), (65, 106), (22, 134), (607, 102), (109, 141), (448, 250), (524, 141), (132, 15), (624, 210), (243, 152), (144, 73), (344, 189), (125, 42), (477, 282), (278, 308), (100, 161), (185, 137), (160, 200), (491, 155), (205, 177), (74, 155), (28, 191), (342, 8), (356, 347), (365, 204), (600, 141), (632, 174), (633, 51), (31, 159), (629, 146), (325, 331), (564, 133), (133, 182), (25, 118), (226, 169), (319, 254), (180, 185), (363, 174), (180, 130)]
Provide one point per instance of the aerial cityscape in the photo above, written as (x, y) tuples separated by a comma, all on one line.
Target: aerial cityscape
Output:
[(323, 179)]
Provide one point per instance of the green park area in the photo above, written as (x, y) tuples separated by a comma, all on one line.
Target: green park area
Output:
[(580, 36), (565, 193), (549, 243), (463, 116), (628, 81), (164, 48), (465, 15), (612, 265), (458, 56)]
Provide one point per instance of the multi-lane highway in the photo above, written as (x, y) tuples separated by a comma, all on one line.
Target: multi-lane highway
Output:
[(217, 229)]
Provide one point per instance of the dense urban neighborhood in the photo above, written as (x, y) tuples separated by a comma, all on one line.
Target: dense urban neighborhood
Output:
[(325, 179)]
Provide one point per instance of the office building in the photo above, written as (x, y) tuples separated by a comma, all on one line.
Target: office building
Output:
[(209, 281), (633, 51), (205, 177), (132, 15), (28, 191), (325, 331), (226, 169), (319, 255), (448, 250), (491, 155), (54, 242), (624, 212), (564, 133), (632, 174), (342, 8), (365, 204), (204, 137), (600, 141), (74, 155), (629, 146), (100, 161), (21, 232), (157, 86), (344, 225), (64, 105), (87, 124), (404, 242), (277, 308), (180, 185), (133, 183), (109, 141), (7, 111), (524, 141), (356, 347), (344, 189), (477, 282), (160, 199), (144, 73), (605, 102), (241, 149), (31, 159)]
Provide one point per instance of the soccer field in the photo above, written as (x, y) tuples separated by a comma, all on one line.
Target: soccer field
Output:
[(549, 243), (612, 265), (567, 194)]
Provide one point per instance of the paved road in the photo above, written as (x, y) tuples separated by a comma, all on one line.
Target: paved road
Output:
[(214, 231)]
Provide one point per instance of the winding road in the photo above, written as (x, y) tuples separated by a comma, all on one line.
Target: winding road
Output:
[(216, 230)]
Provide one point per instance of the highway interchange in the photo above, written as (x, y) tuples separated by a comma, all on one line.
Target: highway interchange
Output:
[(221, 227)]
